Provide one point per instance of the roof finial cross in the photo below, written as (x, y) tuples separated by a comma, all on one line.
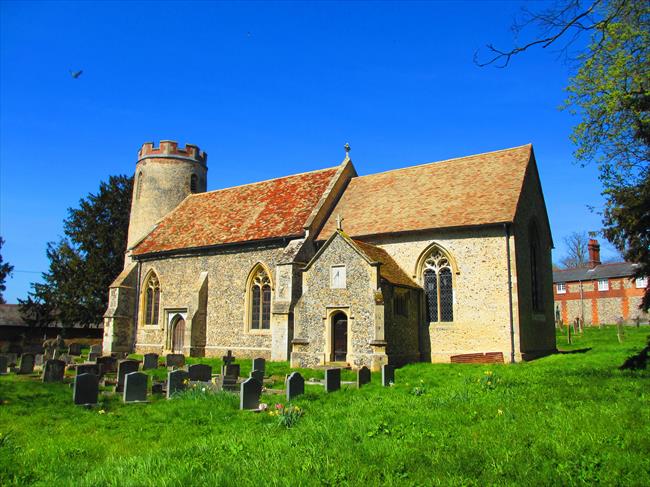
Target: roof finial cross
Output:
[(339, 222), (347, 150)]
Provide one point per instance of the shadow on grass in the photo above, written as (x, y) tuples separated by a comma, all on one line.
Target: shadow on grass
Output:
[(569, 352)]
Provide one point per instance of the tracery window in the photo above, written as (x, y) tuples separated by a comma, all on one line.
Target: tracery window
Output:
[(260, 300), (438, 287), (151, 300), (193, 183)]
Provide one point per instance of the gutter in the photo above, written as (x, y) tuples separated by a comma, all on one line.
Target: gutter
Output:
[(506, 228)]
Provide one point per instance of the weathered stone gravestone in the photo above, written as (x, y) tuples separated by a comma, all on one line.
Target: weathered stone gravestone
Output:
[(251, 390), (200, 372), (229, 358), (38, 360), (86, 389), (125, 367), (74, 349), (363, 376), (295, 385), (96, 349), (108, 363), (176, 382), (4, 363), (53, 370), (135, 387), (332, 379), (150, 361), (229, 376), (258, 375), (26, 363), (175, 360), (95, 369), (387, 375), (259, 364)]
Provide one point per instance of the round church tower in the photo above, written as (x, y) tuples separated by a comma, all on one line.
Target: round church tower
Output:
[(164, 176)]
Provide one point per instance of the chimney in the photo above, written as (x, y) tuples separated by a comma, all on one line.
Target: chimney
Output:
[(594, 253)]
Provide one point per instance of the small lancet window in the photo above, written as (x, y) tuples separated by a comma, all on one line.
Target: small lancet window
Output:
[(260, 301), (151, 300), (138, 188), (438, 287), (193, 183)]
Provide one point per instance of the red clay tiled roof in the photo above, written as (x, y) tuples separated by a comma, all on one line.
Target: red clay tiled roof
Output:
[(275, 208), (389, 269), (467, 191)]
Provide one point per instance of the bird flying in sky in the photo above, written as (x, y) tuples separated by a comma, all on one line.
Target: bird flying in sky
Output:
[(76, 74)]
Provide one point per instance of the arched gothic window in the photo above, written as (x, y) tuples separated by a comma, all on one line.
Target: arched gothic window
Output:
[(438, 287), (151, 300), (138, 188), (260, 300), (193, 183), (536, 284)]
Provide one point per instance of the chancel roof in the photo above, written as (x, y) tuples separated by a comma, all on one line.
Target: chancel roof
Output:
[(259, 211), (468, 191)]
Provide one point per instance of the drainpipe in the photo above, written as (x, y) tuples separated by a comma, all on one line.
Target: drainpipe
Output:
[(137, 307), (512, 323)]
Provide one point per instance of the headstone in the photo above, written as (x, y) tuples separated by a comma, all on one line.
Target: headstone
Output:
[(92, 356), (251, 390), (108, 363), (295, 385), (135, 387), (74, 349), (125, 367), (26, 363), (150, 361), (229, 376), (200, 372), (332, 379), (387, 375), (89, 369), (53, 370), (228, 358), (175, 360), (363, 376), (38, 360), (96, 349), (259, 364), (86, 389), (157, 388), (176, 381), (258, 375), (4, 363)]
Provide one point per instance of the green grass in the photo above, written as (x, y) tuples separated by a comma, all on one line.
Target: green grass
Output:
[(568, 419)]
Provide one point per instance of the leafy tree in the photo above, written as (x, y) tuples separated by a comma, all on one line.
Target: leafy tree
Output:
[(74, 290), (5, 270), (577, 251), (610, 92)]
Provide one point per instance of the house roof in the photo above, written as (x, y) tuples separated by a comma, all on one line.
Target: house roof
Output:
[(602, 271), (10, 315), (269, 209), (389, 269), (467, 191)]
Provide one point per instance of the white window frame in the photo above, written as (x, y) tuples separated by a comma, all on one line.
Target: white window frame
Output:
[(603, 284), (561, 287), (342, 277), (641, 282)]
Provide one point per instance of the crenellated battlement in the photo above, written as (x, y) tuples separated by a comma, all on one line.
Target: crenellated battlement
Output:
[(169, 148)]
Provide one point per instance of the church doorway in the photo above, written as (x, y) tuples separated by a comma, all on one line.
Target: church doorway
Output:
[(339, 337), (178, 334)]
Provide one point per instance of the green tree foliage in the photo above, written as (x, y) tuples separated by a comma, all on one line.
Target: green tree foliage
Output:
[(5, 270), (610, 94), (74, 290)]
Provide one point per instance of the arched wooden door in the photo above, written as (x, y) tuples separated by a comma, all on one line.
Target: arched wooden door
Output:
[(178, 335), (340, 337)]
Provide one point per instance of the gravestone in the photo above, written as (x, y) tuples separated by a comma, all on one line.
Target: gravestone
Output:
[(108, 363), (135, 387), (363, 376), (125, 367), (229, 358), (92, 356), (387, 375), (176, 381), (175, 360), (86, 389), (258, 375), (53, 370), (150, 361), (249, 397), (259, 364), (157, 388), (74, 349), (229, 376), (95, 369), (96, 349), (38, 360), (295, 385), (200, 372), (332, 379), (12, 359), (4, 363), (65, 358), (26, 363)]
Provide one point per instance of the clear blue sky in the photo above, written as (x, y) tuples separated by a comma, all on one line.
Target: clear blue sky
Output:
[(267, 89)]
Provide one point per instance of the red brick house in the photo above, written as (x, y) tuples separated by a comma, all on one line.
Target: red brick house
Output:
[(599, 293)]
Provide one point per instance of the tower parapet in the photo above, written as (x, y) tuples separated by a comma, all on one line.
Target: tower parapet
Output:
[(169, 149)]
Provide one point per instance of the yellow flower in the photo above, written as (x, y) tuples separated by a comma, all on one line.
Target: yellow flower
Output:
[(499, 412), (101, 411)]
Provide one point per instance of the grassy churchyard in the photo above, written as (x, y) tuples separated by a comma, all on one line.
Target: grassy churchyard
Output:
[(568, 419)]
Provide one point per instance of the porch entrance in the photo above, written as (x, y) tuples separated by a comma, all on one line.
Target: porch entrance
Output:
[(178, 335), (340, 337)]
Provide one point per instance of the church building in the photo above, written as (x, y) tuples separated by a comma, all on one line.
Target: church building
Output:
[(442, 262)]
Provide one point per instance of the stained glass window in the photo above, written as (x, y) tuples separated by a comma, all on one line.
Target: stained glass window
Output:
[(260, 301), (152, 300), (438, 287)]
